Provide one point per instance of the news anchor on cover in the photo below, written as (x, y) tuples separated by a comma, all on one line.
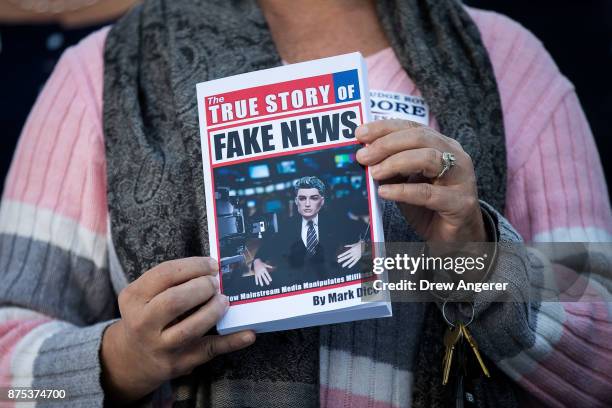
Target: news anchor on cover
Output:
[(306, 246)]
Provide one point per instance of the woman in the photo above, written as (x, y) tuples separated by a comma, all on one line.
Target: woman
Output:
[(136, 148)]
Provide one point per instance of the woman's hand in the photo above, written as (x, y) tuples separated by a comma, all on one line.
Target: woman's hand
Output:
[(406, 158), (165, 315)]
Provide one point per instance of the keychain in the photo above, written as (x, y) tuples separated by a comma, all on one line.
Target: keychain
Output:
[(457, 339)]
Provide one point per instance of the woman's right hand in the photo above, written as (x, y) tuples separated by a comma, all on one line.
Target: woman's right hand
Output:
[(165, 315)]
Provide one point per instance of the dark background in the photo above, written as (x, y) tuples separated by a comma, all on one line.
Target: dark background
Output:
[(578, 34)]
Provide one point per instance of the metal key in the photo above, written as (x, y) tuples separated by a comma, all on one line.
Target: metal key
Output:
[(451, 337), (474, 346)]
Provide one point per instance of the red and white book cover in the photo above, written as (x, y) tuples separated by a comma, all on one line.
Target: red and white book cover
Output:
[(292, 215)]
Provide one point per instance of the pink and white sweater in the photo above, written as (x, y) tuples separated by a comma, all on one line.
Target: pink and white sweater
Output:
[(53, 222)]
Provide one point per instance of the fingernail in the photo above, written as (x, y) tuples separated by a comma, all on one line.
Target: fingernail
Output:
[(361, 131), (247, 337), (215, 282), (214, 265), (363, 152), (382, 190), (225, 300), (374, 169)]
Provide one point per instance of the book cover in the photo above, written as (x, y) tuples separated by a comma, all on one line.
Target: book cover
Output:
[(291, 214)]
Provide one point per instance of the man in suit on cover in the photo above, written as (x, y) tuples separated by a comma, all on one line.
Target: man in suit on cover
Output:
[(312, 246)]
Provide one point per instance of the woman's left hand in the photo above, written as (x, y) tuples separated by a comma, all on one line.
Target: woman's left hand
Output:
[(406, 158)]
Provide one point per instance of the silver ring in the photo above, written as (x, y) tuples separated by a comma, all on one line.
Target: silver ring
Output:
[(448, 161), (452, 324)]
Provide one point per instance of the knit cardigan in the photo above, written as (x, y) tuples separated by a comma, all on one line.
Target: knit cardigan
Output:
[(58, 289)]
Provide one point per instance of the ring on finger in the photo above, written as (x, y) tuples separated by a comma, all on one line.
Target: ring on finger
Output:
[(448, 161)]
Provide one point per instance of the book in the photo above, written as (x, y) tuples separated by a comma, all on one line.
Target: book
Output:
[(292, 216)]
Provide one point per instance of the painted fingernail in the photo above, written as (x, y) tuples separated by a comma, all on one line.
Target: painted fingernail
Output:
[(361, 131)]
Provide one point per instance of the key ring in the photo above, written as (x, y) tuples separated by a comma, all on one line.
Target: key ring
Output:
[(448, 321)]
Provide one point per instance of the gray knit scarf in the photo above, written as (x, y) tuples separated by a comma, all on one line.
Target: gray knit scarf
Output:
[(154, 57)]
